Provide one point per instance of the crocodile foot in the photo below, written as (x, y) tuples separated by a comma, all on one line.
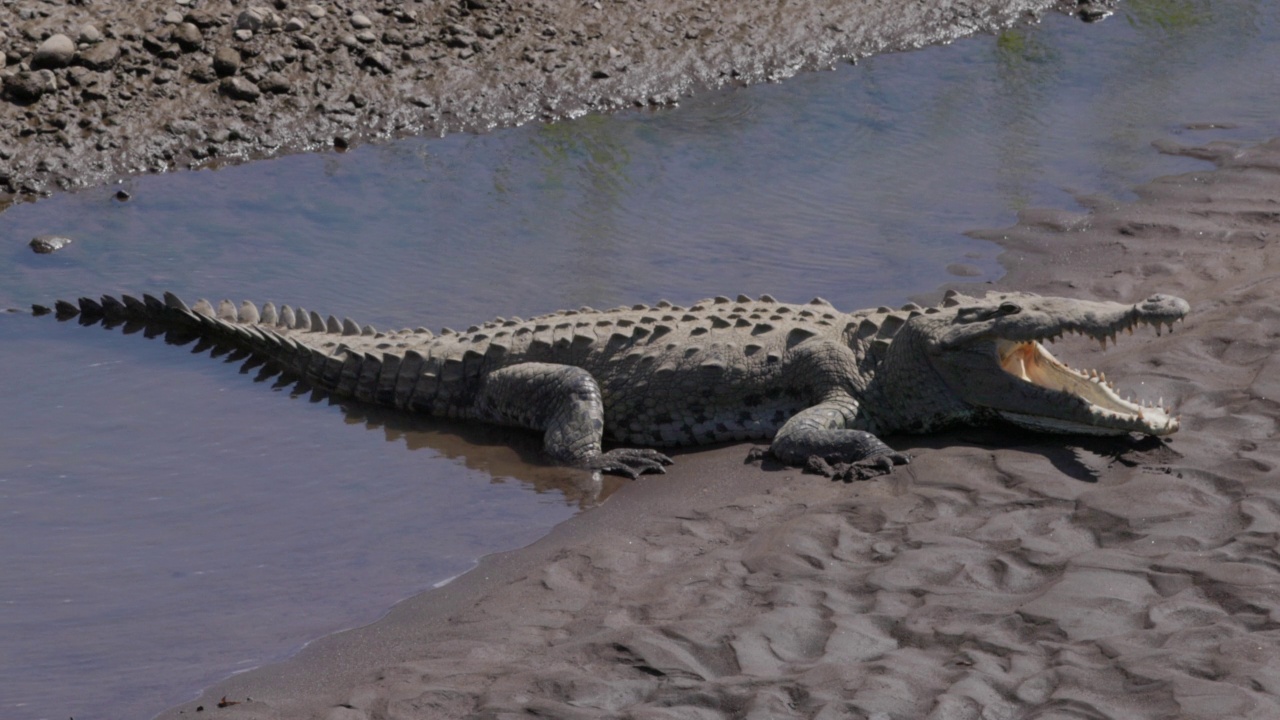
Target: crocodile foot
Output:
[(861, 470), (629, 462)]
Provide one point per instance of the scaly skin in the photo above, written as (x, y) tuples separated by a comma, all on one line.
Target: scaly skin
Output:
[(821, 384)]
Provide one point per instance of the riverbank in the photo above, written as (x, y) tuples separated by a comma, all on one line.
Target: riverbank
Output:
[(1000, 574), (90, 93)]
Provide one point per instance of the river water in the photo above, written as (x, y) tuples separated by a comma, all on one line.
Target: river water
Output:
[(165, 521)]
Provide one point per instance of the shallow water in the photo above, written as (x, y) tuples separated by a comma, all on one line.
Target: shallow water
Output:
[(167, 522)]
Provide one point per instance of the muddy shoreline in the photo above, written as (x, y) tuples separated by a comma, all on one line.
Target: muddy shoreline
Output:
[(90, 93)]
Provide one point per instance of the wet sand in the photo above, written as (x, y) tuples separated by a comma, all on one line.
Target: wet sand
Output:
[(1000, 575), (91, 92)]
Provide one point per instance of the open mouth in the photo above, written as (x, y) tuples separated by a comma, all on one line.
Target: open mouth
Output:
[(1108, 412)]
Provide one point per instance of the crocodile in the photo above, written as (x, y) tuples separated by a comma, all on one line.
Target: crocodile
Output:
[(820, 384)]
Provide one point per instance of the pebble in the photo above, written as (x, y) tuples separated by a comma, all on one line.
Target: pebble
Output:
[(295, 25), (102, 56), (202, 19), (55, 52), (45, 244), (226, 61), (250, 19), (275, 83), (360, 21), (173, 17), (188, 37), (238, 88), (203, 74), (315, 11), (89, 34), (1093, 12), (380, 61)]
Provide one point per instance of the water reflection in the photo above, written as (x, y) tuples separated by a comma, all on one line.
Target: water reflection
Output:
[(1167, 16), (501, 453), (1024, 64)]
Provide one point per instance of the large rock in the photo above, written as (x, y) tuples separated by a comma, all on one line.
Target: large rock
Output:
[(102, 56), (56, 52), (30, 86)]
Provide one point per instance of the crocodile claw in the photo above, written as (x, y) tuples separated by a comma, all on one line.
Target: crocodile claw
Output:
[(864, 469), (629, 462)]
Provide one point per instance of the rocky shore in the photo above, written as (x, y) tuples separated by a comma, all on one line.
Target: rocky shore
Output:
[(90, 92)]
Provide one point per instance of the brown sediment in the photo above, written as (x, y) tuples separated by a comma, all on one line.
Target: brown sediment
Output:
[(1001, 574), (90, 92)]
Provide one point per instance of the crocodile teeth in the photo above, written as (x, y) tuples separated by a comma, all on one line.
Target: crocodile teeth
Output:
[(1031, 362)]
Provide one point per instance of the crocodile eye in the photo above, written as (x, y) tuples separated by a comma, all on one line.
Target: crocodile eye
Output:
[(1009, 308)]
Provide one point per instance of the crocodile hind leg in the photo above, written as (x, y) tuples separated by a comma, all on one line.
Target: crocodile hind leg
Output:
[(819, 439), (564, 403)]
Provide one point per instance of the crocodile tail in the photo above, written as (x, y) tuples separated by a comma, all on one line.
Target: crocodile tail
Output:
[(267, 338)]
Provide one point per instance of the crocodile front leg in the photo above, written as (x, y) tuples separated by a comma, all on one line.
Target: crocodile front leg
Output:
[(564, 403), (819, 439)]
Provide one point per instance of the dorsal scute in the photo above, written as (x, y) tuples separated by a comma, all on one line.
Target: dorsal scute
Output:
[(248, 312)]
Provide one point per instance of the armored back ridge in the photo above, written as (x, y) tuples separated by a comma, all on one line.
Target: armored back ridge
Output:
[(816, 381)]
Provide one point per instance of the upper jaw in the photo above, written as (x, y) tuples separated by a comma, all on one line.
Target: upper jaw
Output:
[(1051, 318), (1105, 321)]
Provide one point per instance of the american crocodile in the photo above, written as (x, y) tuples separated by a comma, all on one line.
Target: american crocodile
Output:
[(821, 384)]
